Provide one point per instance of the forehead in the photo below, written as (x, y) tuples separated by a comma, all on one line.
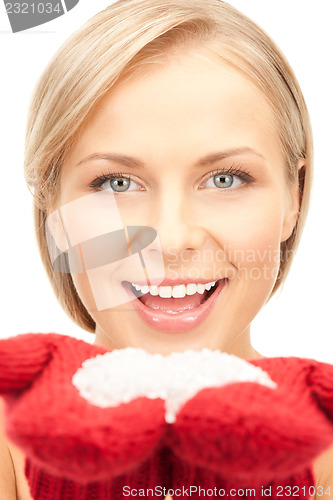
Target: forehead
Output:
[(178, 109)]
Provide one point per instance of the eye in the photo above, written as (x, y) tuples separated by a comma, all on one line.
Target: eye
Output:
[(117, 183), (224, 181)]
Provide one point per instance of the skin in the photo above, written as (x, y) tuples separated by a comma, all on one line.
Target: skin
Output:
[(169, 119)]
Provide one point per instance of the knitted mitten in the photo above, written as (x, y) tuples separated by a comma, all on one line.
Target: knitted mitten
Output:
[(58, 429)]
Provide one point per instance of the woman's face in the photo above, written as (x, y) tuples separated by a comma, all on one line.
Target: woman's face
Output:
[(191, 150)]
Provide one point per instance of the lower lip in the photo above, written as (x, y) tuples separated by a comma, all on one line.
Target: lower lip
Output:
[(181, 322)]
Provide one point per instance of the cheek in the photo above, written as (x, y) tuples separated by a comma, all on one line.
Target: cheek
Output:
[(250, 236), (84, 291), (251, 242)]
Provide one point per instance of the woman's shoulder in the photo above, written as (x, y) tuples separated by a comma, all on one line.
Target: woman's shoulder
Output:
[(13, 484), (323, 471), (7, 474)]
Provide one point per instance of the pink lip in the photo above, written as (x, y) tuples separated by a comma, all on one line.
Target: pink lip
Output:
[(181, 322)]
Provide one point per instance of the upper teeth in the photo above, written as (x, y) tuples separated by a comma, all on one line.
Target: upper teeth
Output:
[(177, 291)]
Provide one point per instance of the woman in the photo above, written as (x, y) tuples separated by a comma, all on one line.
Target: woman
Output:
[(176, 133)]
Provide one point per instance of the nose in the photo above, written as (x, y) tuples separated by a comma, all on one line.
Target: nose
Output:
[(178, 224)]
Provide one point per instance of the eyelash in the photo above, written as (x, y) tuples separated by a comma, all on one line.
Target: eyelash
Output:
[(99, 181), (242, 174), (239, 172)]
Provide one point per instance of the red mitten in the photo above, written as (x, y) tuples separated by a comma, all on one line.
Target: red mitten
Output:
[(253, 434), (22, 358), (61, 432)]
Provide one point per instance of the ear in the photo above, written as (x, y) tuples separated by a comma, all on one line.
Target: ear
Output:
[(293, 203), (21, 359)]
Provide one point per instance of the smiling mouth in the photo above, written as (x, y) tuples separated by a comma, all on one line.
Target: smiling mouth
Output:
[(176, 299), (177, 308)]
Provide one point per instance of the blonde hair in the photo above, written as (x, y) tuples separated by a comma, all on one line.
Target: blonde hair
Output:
[(128, 37)]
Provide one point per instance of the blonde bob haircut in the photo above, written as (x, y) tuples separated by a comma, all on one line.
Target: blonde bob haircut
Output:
[(132, 36)]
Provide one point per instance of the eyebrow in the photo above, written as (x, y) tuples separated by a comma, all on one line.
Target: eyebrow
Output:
[(128, 161), (221, 155), (132, 162)]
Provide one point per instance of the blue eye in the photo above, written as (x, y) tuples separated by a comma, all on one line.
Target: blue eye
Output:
[(119, 184), (223, 181)]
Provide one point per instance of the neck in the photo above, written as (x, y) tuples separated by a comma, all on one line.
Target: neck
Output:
[(242, 347)]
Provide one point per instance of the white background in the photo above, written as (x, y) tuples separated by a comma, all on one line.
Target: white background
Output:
[(299, 320)]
